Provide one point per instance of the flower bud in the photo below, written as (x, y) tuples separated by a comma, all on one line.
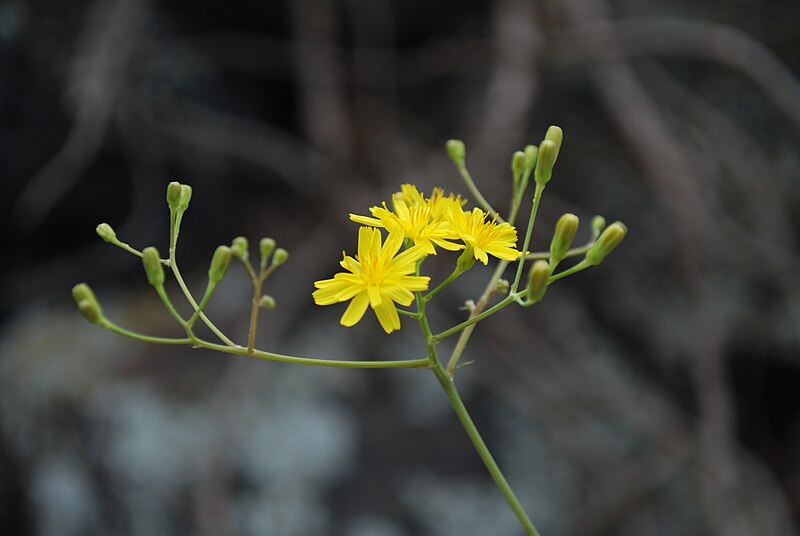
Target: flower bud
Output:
[(240, 248), (152, 266), (565, 231), (518, 165), (556, 135), (537, 280), (611, 237), (186, 196), (503, 285), (545, 161), (173, 195), (598, 224), (87, 303), (219, 264), (105, 232), (266, 302), (466, 260), (266, 246), (457, 151), (280, 256), (531, 152)]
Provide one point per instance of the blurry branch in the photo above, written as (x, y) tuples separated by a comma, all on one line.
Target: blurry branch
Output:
[(95, 80), (680, 37)]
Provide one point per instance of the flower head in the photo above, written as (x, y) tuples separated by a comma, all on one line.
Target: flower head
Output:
[(423, 221), (377, 277), (485, 236)]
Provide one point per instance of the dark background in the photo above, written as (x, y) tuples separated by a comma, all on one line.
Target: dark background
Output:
[(658, 394)]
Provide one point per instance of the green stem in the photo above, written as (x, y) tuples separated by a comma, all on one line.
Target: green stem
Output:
[(408, 313), (203, 302), (251, 336), (483, 451), (105, 323), (460, 409), (240, 350), (537, 197), (177, 273), (472, 320), (463, 339), (574, 252), (584, 264), (162, 293), (452, 277), (462, 170)]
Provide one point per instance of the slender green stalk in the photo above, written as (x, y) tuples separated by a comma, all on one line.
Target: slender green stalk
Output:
[(203, 302), (257, 283), (448, 385), (584, 264), (182, 284), (574, 252), (472, 320), (241, 350), (162, 293), (105, 323), (476, 194), (452, 277), (408, 313), (537, 197)]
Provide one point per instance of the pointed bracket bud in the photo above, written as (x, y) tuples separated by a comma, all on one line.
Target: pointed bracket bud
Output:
[(240, 248), (517, 168), (280, 256), (466, 260), (266, 302), (611, 237), (219, 264), (598, 224), (185, 197), (106, 232), (556, 135), (545, 161), (173, 195), (457, 151), (537, 280), (266, 246), (152, 266), (87, 303), (563, 236)]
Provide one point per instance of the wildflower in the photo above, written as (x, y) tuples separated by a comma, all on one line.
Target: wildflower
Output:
[(485, 236), (423, 221), (378, 276)]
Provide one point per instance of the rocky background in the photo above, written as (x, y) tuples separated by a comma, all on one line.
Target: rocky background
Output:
[(658, 394)]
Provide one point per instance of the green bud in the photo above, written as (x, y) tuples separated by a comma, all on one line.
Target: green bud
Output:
[(87, 303), (266, 302), (219, 264), (186, 196), (531, 152), (545, 162), (517, 168), (537, 280), (266, 246), (105, 232), (598, 224), (152, 266), (280, 256), (466, 260), (240, 248), (457, 151), (611, 237), (565, 231), (556, 135), (173, 195), (503, 286)]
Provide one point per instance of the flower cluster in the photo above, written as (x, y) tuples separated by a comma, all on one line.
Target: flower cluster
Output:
[(380, 275)]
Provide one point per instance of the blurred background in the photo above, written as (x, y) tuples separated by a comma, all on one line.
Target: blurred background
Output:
[(658, 394)]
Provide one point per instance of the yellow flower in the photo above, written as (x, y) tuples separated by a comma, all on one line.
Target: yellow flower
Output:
[(423, 221), (485, 236), (377, 277)]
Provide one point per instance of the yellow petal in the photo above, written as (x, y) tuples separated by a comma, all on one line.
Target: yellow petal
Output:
[(355, 311), (387, 316)]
